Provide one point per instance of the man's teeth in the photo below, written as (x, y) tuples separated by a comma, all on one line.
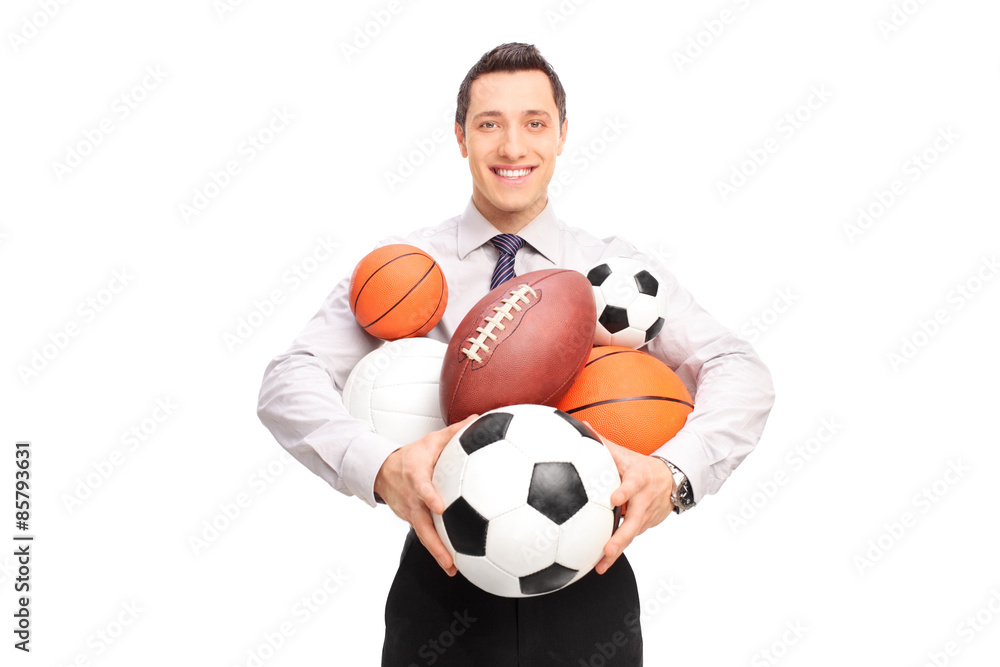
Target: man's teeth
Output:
[(513, 173)]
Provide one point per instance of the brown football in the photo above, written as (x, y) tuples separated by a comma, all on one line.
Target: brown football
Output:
[(524, 342)]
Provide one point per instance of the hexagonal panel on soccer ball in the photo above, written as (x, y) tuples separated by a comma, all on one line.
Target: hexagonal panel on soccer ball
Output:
[(598, 473), (522, 542), (542, 439), (487, 576), (496, 479), (629, 337), (582, 429), (620, 289), (582, 540), (643, 313)]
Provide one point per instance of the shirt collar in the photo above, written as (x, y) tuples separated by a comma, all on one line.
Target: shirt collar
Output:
[(542, 233)]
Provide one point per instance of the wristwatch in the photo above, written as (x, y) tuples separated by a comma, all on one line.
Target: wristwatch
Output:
[(683, 496)]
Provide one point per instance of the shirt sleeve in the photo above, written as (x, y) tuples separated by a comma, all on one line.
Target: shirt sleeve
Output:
[(731, 387), (301, 404)]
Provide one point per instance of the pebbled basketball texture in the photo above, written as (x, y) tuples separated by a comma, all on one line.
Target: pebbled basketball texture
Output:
[(524, 342), (630, 397), (398, 291)]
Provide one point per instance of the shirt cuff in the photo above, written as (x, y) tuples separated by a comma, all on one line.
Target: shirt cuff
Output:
[(685, 451), (365, 456)]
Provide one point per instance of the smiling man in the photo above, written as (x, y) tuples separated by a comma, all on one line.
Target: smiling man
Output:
[(511, 128), (511, 125)]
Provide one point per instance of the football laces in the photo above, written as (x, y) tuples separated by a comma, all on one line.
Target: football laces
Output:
[(496, 321)]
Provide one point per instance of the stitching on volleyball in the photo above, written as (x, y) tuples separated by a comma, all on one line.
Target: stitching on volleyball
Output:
[(496, 321)]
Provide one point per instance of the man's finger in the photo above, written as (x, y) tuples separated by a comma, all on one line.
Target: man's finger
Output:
[(627, 531), (458, 426), (428, 495), (423, 485), (627, 489), (620, 454), (453, 430), (623, 458), (427, 534)]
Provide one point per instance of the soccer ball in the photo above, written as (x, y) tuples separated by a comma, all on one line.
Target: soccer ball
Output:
[(631, 302), (527, 491)]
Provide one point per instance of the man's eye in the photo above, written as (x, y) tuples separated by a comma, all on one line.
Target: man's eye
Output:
[(489, 125)]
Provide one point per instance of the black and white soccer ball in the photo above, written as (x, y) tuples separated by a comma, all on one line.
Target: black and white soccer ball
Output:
[(631, 302), (527, 491)]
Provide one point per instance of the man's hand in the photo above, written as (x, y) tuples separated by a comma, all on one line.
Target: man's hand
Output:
[(404, 483), (645, 491)]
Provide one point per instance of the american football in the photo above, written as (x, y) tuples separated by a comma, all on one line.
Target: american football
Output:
[(524, 342)]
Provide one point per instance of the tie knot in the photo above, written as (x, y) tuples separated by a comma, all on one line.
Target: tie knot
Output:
[(507, 243)]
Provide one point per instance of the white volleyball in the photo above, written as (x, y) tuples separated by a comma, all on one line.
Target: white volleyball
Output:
[(395, 389)]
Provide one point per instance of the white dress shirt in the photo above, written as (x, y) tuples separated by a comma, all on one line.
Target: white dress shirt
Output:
[(300, 398)]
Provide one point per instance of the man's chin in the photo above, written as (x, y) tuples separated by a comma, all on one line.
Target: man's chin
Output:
[(514, 205)]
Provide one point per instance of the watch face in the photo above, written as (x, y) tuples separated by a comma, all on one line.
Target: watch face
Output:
[(684, 494)]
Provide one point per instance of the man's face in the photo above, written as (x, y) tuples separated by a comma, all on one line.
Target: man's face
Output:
[(512, 137)]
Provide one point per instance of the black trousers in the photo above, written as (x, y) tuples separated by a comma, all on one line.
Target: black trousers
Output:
[(434, 619)]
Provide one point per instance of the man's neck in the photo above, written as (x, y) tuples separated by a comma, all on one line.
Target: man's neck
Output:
[(507, 222)]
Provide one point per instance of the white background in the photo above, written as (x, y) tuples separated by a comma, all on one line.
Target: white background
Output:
[(821, 545)]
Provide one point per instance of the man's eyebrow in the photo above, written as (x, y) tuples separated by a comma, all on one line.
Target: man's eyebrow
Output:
[(537, 112), (485, 114), (493, 113)]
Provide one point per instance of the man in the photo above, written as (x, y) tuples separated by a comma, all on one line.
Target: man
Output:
[(511, 125)]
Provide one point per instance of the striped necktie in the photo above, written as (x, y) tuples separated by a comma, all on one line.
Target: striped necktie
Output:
[(508, 245)]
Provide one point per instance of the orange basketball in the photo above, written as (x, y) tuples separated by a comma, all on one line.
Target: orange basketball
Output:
[(630, 397), (398, 291)]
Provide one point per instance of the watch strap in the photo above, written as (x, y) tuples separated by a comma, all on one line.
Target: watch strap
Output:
[(683, 495)]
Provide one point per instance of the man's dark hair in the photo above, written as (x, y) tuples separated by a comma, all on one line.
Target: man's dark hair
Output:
[(511, 57)]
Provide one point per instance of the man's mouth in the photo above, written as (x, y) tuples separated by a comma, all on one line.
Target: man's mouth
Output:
[(514, 174)]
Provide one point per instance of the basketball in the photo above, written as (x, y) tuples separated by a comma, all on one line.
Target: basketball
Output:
[(398, 291), (394, 389), (630, 397)]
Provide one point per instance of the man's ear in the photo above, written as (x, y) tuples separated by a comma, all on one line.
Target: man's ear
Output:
[(460, 136), (562, 136)]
